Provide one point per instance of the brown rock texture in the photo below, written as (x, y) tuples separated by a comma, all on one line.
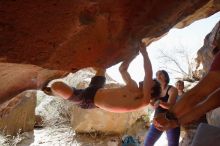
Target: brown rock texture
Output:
[(18, 114), (73, 34), (16, 78)]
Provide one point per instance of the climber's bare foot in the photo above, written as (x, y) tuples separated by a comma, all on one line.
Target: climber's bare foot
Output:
[(47, 91)]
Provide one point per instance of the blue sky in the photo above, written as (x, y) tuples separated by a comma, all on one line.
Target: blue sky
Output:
[(190, 38)]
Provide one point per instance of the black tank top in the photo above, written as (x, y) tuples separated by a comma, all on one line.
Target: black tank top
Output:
[(165, 98)]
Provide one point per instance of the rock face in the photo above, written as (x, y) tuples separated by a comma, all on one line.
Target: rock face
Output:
[(102, 121), (70, 35), (205, 57), (16, 78), (52, 110), (18, 114)]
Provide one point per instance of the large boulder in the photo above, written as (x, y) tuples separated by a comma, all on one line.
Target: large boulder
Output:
[(204, 54), (98, 120), (18, 114), (205, 58)]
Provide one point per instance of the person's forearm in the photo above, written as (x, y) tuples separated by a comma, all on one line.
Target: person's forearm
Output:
[(147, 64), (211, 103), (185, 103), (165, 105), (125, 64), (197, 94)]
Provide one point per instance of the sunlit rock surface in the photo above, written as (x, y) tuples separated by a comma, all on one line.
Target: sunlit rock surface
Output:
[(205, 57), (18, 114), (106, 122)]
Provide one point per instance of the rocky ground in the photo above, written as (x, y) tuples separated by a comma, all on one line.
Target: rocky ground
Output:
[(62, 135)]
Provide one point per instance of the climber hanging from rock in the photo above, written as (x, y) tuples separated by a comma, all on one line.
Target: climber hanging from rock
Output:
[(121, 99)]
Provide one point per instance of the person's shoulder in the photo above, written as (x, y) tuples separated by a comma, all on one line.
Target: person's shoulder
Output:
[(132, 86), (172, 88)]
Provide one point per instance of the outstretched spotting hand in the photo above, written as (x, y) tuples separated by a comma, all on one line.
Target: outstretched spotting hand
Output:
[(162, 123)]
